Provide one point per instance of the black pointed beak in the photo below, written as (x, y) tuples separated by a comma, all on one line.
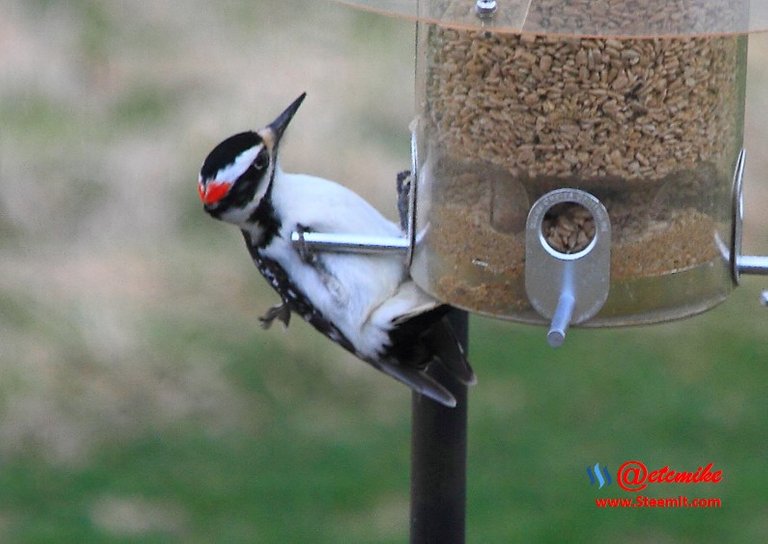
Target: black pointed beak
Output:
[(278, 126)]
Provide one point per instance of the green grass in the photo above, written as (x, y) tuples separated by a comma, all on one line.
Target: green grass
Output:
[(316, 467), (683, 395)]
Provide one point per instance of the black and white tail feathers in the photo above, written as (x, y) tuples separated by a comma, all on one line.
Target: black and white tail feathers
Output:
[(423, 340)]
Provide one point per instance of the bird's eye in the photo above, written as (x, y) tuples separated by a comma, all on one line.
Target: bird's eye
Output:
[(262, 160)]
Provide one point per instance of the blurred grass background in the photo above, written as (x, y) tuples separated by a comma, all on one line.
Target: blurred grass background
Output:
[(140, 401)]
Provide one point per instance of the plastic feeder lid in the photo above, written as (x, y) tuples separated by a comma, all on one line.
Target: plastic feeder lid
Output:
[(636, 18)]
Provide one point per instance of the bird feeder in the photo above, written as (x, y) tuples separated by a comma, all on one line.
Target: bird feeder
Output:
[(574, 162), (579, 161)]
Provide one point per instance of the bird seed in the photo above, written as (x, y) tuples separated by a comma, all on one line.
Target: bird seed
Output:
[(650, 126)]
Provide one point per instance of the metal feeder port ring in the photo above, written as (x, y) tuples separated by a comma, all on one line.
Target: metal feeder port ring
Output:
[(567, 287)]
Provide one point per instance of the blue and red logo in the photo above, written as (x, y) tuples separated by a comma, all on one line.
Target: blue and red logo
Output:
[(634, 476), (599, 476)]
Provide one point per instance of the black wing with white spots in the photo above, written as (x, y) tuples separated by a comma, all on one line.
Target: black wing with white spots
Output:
[(293, 297)]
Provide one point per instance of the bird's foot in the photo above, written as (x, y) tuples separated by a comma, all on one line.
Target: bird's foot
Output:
[(279, 311), (403, 200)]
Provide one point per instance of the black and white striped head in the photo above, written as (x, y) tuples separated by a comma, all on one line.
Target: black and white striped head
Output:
[(237, 175)]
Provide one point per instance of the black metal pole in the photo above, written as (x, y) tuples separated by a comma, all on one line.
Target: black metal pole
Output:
[(439, 458)]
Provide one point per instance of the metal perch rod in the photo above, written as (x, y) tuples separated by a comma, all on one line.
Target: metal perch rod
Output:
[(752, 264), (349, 243)]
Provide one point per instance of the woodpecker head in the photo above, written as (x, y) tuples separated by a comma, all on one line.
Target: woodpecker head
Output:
[(237, 175)]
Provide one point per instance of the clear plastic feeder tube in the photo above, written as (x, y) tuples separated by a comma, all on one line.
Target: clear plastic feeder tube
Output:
[(650, 126), (640, 104)]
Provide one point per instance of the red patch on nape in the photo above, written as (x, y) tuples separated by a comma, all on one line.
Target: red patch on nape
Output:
[(213, 191)]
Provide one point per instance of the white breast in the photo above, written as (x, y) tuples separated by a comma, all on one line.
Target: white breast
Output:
[(349, 289)]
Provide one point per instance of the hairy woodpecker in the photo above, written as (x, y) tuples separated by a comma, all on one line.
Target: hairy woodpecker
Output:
[(366, 303)]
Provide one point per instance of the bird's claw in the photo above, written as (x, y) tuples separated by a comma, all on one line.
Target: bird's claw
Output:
[(403, 193), (279, 311)]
